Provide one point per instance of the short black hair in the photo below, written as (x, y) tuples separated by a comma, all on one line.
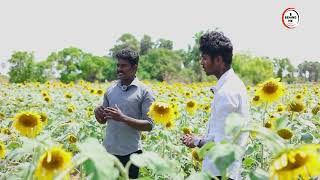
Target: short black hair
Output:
[(129, 55), (215, 44)]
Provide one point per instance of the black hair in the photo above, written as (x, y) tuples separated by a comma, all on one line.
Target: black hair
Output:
[(214, 43), (129, 55)]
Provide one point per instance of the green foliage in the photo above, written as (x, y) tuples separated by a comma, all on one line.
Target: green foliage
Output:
[(309, 71), (97, 68), (158, 61), (165, 44), (160, 64), (252, 69), (146, 44), (25, 69), (125, 41)]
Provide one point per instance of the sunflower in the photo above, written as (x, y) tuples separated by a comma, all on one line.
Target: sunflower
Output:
[(296, 106), (6, 131), (28, 124), (315, 110), (43, 118), (280, 108), (256, 100), (2, 150), (47, 99), (143, 136), (270, 123), (195, 155), (52, 161), (161, 112), (2, 116), (186, 130), (72, 139), (100, 92), (206, 107), (303, 162), (188, 94), (68, 95), (44, 93), (71, 108), (285, 133), (191, 106), (271, 90), (298, 97), (169, 125), (92, 91)]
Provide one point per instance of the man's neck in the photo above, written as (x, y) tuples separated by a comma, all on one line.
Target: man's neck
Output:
[(127, 81), (222, 72)]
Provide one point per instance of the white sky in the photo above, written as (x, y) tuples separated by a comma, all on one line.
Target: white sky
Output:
[(45, 26)]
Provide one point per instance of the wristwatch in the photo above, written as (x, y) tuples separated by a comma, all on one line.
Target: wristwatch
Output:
[(197, 141)]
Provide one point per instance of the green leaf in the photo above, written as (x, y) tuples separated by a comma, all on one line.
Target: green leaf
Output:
[(91, 170), (205, 149), (198, 176), (145, 178), (223, 155), (281, 122), (157, 164), (101, 163), (234, 124), (248, 162), (274, 142), (258, 174), (307, 138)]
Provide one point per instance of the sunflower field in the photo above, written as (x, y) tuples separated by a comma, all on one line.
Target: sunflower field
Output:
[(49, 131)]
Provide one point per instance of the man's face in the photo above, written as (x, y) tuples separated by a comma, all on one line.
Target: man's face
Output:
[(210, 66), (125, 70)]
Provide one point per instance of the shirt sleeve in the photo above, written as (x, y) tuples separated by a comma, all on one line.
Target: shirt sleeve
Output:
[(148, 99), (105, 99)]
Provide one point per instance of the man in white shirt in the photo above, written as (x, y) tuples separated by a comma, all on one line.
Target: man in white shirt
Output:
[(230, 96)]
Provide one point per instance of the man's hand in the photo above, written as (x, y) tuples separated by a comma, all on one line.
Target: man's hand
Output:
[(188, 140), (101, 114), (115, 113)]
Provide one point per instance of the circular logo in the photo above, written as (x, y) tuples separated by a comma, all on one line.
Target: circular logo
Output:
[(290, 18)]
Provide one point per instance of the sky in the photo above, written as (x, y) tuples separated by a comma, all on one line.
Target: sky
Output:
[(255, 27)]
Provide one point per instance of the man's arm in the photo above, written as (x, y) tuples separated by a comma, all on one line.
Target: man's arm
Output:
[(117, 115), (99, 111), (144, 124)]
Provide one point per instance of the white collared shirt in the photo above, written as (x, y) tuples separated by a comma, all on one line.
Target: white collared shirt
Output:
[(230, 95)]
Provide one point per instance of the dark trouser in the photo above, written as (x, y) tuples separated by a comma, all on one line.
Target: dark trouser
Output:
[(133, 170)]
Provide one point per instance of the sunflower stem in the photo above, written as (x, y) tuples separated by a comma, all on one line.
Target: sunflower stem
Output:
[(263, 122)]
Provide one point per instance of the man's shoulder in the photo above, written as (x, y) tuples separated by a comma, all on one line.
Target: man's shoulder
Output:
[(111, 87), (233, 86)]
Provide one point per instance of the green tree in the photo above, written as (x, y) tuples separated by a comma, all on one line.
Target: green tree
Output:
[(252, 70), (160, 64), (67, 63), (193, 57), (97, 68), (127, 40), (146, 44), (24, 69), (164, 43)]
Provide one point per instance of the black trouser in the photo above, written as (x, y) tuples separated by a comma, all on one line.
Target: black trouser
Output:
[(133, 170)]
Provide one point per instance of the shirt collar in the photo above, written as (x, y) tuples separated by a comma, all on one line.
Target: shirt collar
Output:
[(135, 82), (225, 76)]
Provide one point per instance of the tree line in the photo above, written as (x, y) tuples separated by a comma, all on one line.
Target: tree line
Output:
[(158, 61)]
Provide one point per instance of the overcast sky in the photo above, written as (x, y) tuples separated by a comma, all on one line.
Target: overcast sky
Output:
[(45, 26)]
